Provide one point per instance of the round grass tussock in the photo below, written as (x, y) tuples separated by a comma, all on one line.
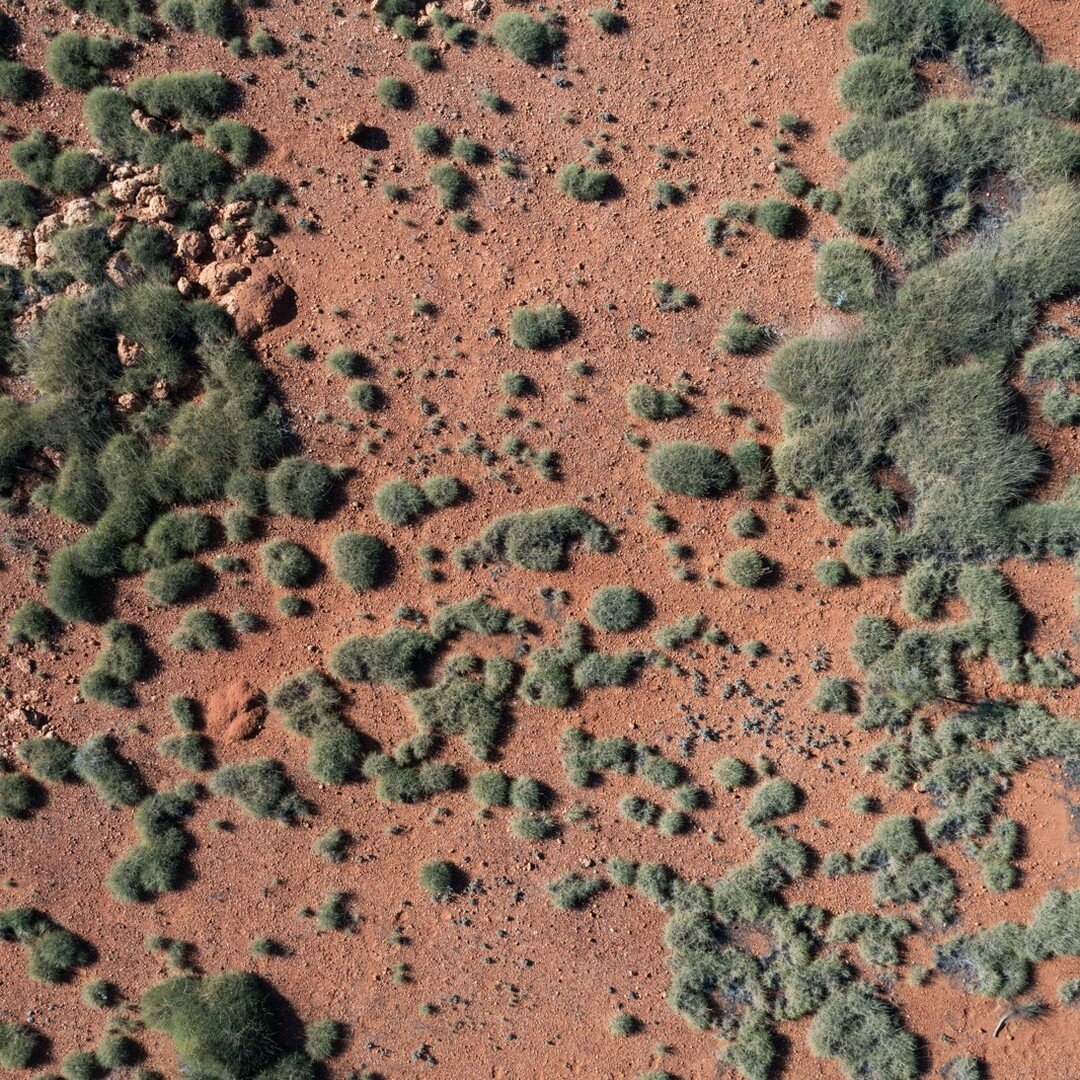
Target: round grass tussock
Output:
[(688, 468), (361, 561), (299, 487), (746, 568), (542, 327), (618, 608), (393, 93), (529, 39), (439, 879), (584, 184), (287, 564), (399, 502)]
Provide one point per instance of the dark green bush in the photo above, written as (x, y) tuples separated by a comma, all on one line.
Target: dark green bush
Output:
[(731, 773), (746, 567), (75, 172), (241, 144), (323, 1039), (195, 98), (19, 795), (429, 139), (201, 631), (261, 787), (776, 217), (541, 328), (881, 86), (51, 759), (772, 799), (31, 622), (21, 206), (399, 658), (399, 502), (115, 780), (573, 891), (287, 564), (452, 185), (687, 468), (740, 336), (538, 539), (866, 1035), (20, 1044), (123, 660), (53, 953), (834, 695), (34, 157)]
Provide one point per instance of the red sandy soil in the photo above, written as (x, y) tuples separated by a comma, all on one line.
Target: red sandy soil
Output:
[(523, 990)]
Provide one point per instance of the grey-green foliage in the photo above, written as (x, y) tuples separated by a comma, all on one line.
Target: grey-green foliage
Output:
[(538, 539), (882, 396)]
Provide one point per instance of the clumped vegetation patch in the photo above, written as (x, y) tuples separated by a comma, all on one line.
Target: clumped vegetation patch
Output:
[(538, 539)]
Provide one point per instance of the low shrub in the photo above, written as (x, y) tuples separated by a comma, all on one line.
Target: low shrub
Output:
[(51, 759), (20, 1044), (584, 184), (879, 86), (78, 62), (772, 799), (730, 773), (224, 1025), (543, 327), (688, 468), (190, 172), (16, 82), (574, 890), (529, 39), (440, 879), (740, 336), (452, 185), (21, 206), (361, 561), (834, 695), (300, 488), (429, 139), (201, 631), (287, 564), (176, 582), (31, 622), (848, 276), (399, 502), (490, 788), (776, 217), (648, 403), (393, 93), (241, 144), (618, 608), (323, 1039), (75, 172), (262, 788), (832, 573), (746, 568), (19, 795)]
